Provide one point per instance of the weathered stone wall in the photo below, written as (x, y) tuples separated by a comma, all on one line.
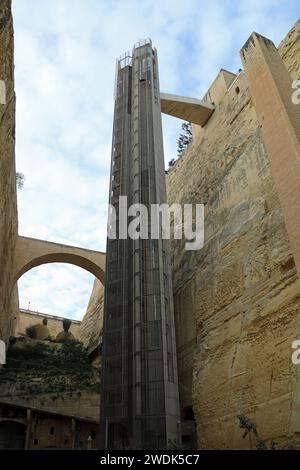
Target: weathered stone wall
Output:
[(91, 328), (289, 50), (50, 376), (8, 206), (54, 324), (35, 428), (50, 432), (80, 403), (236, 300)]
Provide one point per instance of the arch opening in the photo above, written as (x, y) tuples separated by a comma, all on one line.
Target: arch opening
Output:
[(31, 253), (54, 291), (71, 259), (12, 434)]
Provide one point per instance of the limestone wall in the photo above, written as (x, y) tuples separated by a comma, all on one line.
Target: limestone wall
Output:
[(8, 207), (83, 404), (51, 432), (289, 50), (91, 328), (54, 324), (45, 429), (51, 376), (236, 300)]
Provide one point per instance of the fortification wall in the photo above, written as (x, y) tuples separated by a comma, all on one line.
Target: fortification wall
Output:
[(50, 376), (289, 50), (83, 404), (236, 300), (91, 328), (8, 205), (54, 324)]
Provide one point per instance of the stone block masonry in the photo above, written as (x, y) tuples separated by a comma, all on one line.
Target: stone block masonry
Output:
[(8, 204), (237, 300), (271, 91), (19, 254)]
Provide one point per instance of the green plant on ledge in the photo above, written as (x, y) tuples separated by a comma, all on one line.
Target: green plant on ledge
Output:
[(31, 332), (38, 368), (251, 427)]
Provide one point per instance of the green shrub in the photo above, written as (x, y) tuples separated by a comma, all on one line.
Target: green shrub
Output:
[(31, 331), (66, 324)]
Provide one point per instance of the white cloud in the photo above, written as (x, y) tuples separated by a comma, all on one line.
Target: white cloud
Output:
[(56, 289), (65, 63)]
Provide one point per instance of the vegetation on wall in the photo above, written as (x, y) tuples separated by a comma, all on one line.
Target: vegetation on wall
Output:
[(184, 139), (65, 335), (31, 331), (38, 368), (20, 178), (250, 427)]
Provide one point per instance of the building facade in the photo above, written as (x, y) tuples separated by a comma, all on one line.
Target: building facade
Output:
[(140, 406), (26, 427)]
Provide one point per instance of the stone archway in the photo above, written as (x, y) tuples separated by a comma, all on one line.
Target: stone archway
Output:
[(12, 434), (31, 252)]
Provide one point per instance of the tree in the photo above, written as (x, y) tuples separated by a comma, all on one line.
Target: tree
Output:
[(171, 162), (185, 138), (31, 331), (66, 324), (65, 335), (20, 178)]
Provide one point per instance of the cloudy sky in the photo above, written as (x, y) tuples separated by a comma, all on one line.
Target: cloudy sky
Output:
[(65, 52)]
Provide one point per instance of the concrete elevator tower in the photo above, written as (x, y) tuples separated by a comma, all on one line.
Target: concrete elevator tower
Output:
[(139, 398)]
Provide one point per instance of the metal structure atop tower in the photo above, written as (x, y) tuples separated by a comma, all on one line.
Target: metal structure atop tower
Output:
[(139, 397)]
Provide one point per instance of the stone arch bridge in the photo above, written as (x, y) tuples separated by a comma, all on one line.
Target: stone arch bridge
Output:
[(31, 252)]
